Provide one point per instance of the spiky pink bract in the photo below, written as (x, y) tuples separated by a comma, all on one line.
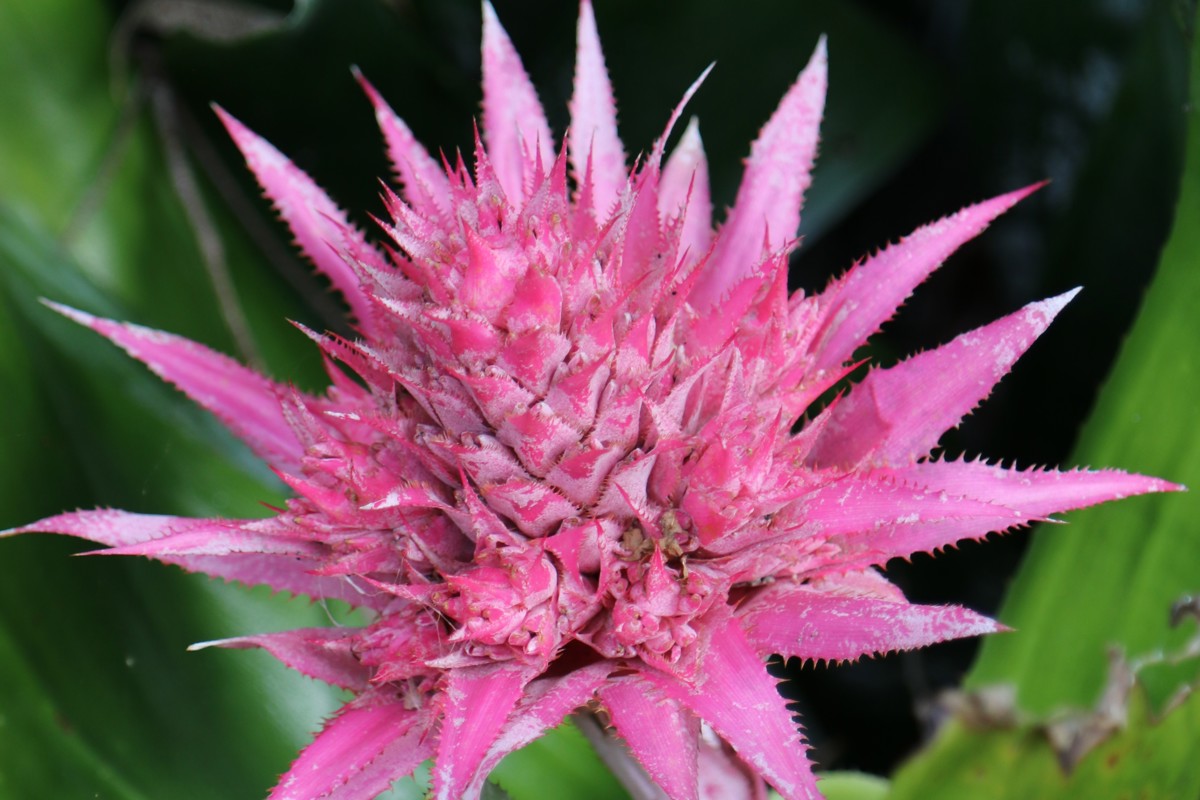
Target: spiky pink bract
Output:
[(568, 475)]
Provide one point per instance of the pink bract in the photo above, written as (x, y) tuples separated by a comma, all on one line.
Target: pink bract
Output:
[(570, 472)]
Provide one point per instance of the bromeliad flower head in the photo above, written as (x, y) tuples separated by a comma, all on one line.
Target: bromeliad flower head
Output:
[(570, 470)]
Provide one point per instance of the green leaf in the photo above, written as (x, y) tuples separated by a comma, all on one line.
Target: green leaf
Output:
[(493, 792), (1111, 574), (1147, 760), (1147, 757), (97, 690), (852, 786), (98, 696), (56, 108), (1106, 580)]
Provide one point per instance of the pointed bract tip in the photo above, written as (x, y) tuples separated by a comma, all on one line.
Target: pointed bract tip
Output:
[(368, 88), (818, 62), (73, 314), (489, 19), (232, 124), (1010, 199), (660, 144), (1053, 305), (822, 49), (196, 646), (1150, 486), (245, 139)]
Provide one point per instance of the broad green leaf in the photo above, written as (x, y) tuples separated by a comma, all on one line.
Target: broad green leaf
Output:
[(852, 786), (493, 792), (97, 691), (1111, 574), (1149, 757), (98, 696), (56, 105), (81, 160), (1107, 579)]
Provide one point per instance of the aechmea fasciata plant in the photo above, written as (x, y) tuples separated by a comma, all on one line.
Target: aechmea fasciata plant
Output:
[(575, 459)]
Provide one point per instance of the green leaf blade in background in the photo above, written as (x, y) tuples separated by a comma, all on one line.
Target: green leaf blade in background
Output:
[(851, 786), (98, 695), (51, 149), (1111, 574), (1151, 759), (94, 667), (1107, 579)]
